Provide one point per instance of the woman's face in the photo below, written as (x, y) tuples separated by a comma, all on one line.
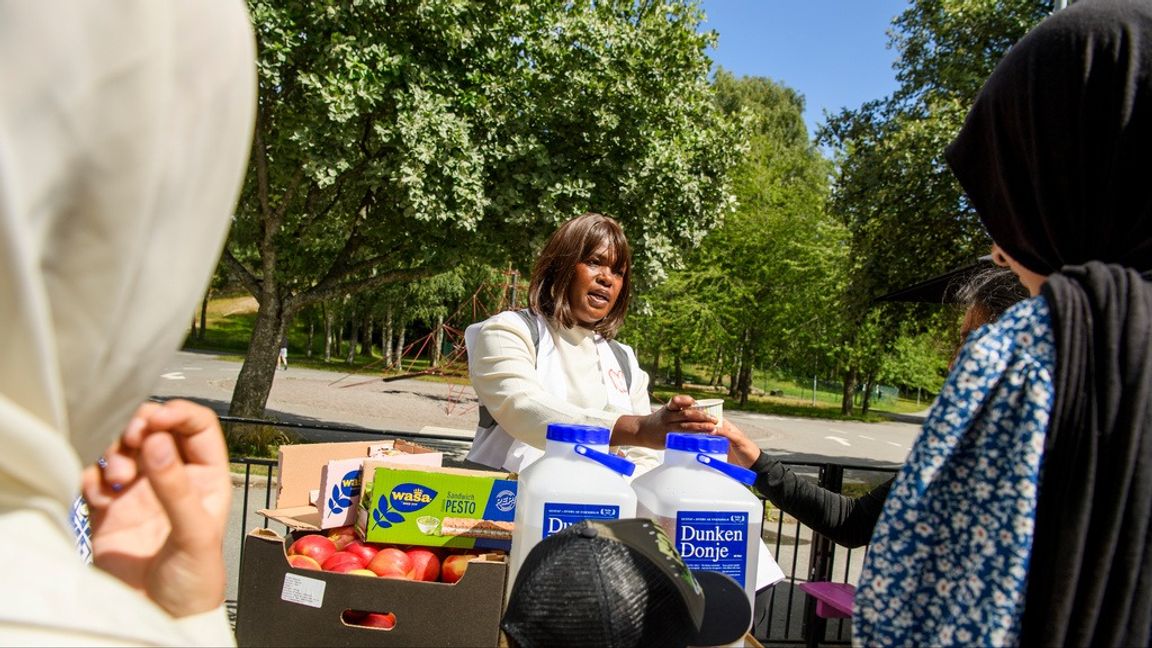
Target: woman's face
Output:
[(1030, 280), (595, 287)]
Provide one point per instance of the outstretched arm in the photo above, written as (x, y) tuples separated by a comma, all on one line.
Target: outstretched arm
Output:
[(848, 521)]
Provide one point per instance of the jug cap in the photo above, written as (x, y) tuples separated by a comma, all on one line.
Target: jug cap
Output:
[(571, 433), (706, 443)]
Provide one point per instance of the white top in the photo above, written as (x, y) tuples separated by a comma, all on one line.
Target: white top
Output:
[(124, 130), (574, 377)]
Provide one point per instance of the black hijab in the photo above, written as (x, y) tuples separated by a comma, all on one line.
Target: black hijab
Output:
[(1056, 157)]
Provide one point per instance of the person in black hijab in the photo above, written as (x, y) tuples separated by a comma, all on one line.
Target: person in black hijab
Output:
[(1023, 514)]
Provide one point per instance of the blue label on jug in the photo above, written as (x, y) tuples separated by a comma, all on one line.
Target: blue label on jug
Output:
[(559, 515), (714, 541)]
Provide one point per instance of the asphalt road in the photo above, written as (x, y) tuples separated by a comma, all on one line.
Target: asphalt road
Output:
[(410, 405)]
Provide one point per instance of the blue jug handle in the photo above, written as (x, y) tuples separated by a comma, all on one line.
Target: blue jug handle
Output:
[(742, 475), (617, 464)]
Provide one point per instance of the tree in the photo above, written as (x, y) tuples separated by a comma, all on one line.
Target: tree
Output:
[(396, 139), (907, 216), (754, 290)]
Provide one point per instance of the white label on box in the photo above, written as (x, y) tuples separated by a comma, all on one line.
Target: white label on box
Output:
[(303, 590)]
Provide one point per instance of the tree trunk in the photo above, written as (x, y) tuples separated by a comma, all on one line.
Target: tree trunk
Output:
[(869, 385), (192, 333), (437, 341), (744, 386), (329, 334), (849, 390), (254, 382), (353, 330), (717, 368), (386, 338), (656, 363), (734, 377), (311, 335), (400, 348), (204, 314), (366, 337)]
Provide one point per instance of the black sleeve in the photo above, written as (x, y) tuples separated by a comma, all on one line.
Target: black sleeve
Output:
[(848, 521)]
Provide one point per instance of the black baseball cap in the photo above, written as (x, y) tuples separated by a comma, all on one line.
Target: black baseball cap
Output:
[(620, 583)]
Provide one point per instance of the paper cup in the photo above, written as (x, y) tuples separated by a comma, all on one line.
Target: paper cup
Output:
[(714, 407)]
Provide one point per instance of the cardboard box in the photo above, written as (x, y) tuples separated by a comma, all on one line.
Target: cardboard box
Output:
[(437, 507), (279, 605), (298, 500), (339, 494)]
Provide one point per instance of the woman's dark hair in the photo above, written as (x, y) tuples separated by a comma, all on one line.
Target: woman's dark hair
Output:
[(576, 241), (986, 295)]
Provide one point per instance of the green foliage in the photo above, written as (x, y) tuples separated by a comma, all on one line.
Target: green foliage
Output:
[(917, 362), (398, 140), (906, 215), (759, 290)]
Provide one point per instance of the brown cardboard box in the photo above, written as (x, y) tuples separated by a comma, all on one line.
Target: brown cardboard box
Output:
[(279, 605), (299, 474)]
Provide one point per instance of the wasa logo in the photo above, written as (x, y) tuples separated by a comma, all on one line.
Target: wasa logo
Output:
[(343, 491), (404, 498), (407, 498)]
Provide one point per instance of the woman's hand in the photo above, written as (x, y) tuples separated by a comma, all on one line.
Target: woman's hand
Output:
[(649, 431), (742, 451), (159, 507)]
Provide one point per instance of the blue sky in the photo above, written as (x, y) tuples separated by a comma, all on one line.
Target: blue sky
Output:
[(834, 52)]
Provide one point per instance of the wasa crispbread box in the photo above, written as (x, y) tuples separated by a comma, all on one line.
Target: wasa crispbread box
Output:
[(441, 507)]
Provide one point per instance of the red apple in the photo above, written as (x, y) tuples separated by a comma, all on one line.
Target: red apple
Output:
[(343, 566), (315, 546), (342, 558), (453, 568), (342, 536), (304, 562), (366, 552), (377, 620), (425, 564), (361, 572), (390, 562)]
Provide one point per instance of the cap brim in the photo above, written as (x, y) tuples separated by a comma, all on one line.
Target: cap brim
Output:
[(941, 289), (727, 611)]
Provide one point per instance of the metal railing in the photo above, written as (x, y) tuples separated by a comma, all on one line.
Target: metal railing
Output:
[(784, 614)]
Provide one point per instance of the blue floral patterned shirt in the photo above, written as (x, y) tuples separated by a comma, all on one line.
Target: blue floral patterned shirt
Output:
[(948, 563)]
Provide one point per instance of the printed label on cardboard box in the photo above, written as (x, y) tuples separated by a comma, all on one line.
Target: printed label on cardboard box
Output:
[(438, 508), (303, 590)]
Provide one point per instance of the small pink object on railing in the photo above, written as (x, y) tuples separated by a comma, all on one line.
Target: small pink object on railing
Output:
[(833, 600)]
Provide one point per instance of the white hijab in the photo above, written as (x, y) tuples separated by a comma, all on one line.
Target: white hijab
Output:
[(124, 131)]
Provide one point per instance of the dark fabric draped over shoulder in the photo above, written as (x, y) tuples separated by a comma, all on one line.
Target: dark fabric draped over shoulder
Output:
[(1056, 158), (1090, 578), (1055, 153)]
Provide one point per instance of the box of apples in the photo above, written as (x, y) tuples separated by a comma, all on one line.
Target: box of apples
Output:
[(330, 588)]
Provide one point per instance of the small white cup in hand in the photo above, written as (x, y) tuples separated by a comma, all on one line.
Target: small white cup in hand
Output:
[(713, 406)]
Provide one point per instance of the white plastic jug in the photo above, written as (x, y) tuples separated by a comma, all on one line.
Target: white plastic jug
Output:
[(704, 504), (576, 479)]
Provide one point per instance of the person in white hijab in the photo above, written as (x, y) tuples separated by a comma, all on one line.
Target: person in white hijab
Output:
[(124, 131)]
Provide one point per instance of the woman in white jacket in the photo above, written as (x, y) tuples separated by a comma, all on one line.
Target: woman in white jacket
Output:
[(569, 368), (124, 130)]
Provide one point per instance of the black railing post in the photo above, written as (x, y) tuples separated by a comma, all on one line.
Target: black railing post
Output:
[(820, 560)]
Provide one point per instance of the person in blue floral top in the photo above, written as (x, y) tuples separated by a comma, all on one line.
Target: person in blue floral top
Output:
[(1022, 515)]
